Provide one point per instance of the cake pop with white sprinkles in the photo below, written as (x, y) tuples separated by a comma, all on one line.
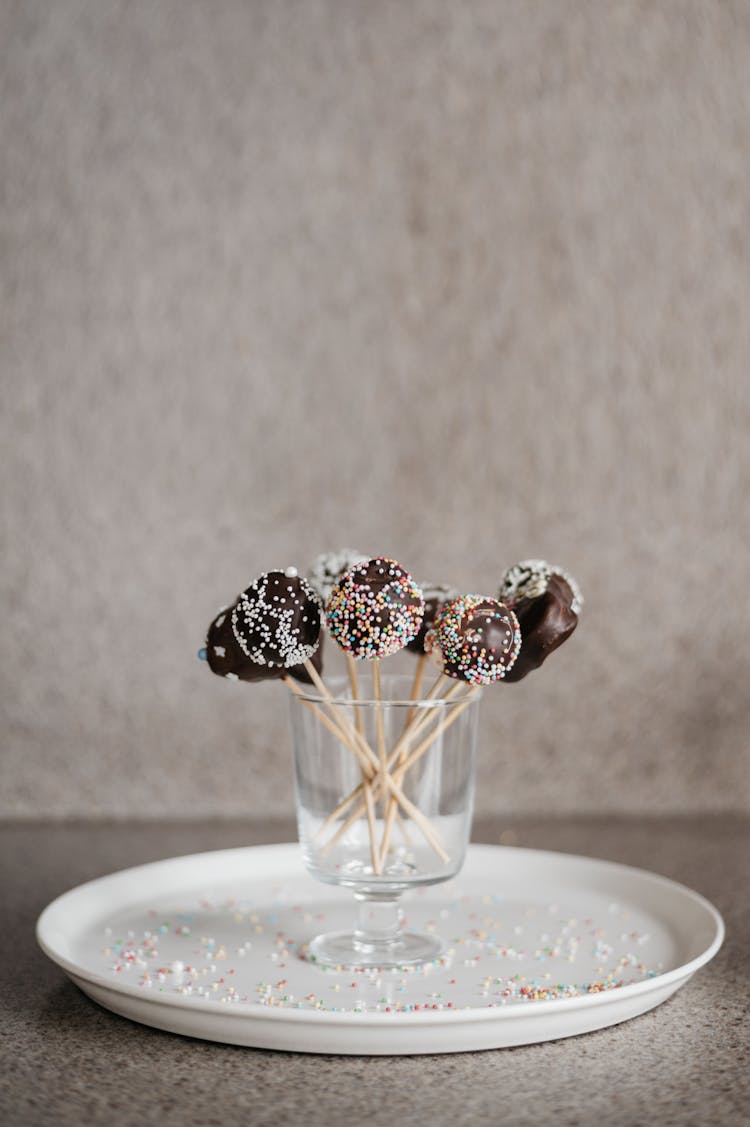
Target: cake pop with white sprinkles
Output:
[(327, 568), (272, 629), (547, 601), (531, 578), (475, 639), (375, 609)]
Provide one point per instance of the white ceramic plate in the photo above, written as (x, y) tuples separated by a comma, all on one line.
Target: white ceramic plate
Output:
[(538, 946)]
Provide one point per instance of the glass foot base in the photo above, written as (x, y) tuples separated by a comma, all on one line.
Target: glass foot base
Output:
[(344, 949)]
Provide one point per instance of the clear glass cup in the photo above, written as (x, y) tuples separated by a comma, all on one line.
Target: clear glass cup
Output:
[(381, 846)]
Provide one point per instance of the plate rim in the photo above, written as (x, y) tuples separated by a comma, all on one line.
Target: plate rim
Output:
[(254, 1011)]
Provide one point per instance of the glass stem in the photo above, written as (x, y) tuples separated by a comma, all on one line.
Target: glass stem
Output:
[(378, 924)]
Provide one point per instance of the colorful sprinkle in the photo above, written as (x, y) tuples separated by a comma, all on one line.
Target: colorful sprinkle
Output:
[(375, 609), (475, 639)]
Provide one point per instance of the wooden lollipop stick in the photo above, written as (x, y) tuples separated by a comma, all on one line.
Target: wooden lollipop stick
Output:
[(351, 666), (387, 830), (335, 729), (418, 818), (363, 787), (341, 718), (382, 754), (392, 805), (377, 867), (402, 744), (368, 762), (345, 802), (365, 755), (427, 715), (341, 734), (401, 768), (406, 765), (356, 793), (434, 690), (416, 686)]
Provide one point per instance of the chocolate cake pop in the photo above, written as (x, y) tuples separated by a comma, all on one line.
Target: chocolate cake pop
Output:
[(327, 568), (530, 579), (475, 639), (269, 632), (547, 602), (435, 595), (375, 609)]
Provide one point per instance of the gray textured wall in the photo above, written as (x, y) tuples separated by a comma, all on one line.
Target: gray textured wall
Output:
[(459, 283)]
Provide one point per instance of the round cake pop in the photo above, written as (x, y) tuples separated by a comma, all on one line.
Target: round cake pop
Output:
[(547, 602), (327, 568), (531, 578), (475, 639), (269, 632), (375, 609), (436, 595)]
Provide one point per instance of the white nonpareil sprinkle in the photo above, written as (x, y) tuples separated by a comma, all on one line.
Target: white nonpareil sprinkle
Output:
[(327, 568), (263, 622)]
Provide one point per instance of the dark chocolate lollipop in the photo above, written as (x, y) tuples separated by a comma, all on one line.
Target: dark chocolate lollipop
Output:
[(475, 639), (547, 601), (375, 609), (436, 595), (270, 631)]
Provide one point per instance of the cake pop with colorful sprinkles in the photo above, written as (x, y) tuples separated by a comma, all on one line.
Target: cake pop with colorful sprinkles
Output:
[(475, 639), (436, 595), (272, 629), (547, 601), (327, 568), (375, 609)]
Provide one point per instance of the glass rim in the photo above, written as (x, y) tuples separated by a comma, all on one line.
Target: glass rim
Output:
[(310, 695)]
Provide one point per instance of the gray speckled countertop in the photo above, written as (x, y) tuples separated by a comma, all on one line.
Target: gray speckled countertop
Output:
[(66, 1061)]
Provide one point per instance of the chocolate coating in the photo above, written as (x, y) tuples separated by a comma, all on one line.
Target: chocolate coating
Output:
[(475, 639), (269, 632), (375, 609), (436, 595), (530, 578), (546, 622), (227, 659)]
